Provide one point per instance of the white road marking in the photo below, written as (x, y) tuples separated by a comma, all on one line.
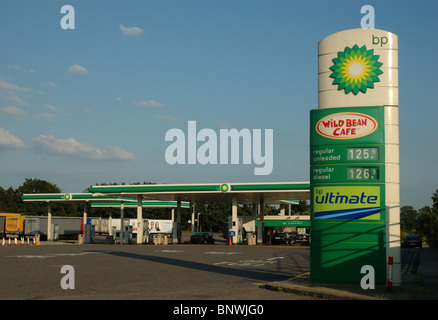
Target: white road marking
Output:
[(54, 255), (221, 252), (250, 263)]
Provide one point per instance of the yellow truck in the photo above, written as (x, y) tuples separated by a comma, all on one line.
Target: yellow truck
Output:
[(11, 224)]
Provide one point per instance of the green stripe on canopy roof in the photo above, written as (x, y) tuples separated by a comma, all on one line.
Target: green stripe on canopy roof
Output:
[(150, 204)]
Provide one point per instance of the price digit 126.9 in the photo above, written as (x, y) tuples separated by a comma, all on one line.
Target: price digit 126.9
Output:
[(359, 173)]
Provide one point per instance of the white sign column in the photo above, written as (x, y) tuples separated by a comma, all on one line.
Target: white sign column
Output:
[(352, 81)]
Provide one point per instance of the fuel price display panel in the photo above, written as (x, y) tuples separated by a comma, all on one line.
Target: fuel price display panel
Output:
[(343, 154)]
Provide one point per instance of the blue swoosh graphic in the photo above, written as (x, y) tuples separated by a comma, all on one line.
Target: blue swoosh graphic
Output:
[(347, 213)]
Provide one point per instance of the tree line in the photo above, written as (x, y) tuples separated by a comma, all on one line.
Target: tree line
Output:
[(423, 221), (212, 214)]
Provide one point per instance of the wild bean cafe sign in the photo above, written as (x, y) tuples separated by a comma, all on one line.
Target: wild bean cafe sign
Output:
[(346, 125)]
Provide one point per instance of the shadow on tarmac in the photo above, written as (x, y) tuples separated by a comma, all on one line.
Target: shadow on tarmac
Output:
[(419, 282), (260, 276)]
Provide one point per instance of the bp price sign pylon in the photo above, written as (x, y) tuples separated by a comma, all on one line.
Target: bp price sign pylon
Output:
[(354, 158)]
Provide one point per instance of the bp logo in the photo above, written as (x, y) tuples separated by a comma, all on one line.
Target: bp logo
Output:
[(67, 196), (356, 69)]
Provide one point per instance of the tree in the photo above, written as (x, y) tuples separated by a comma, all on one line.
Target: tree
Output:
[(212, 215), (302, 208), (408, 219), (38, 186), (38, 208), (435, 200), (427, 223), (9, 200)]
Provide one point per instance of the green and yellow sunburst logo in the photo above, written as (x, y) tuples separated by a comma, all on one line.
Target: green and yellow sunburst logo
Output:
[(356, 69)]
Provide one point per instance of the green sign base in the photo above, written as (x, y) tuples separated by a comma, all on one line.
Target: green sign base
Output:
[(340, 249), (347, 176)]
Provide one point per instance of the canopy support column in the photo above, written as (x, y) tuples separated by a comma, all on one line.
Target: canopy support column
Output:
[(192, 224), (235, 226), (122, 217), (84, 218), (49, 222), (178, 220), (140, 227), (261, 225), (110, 222)]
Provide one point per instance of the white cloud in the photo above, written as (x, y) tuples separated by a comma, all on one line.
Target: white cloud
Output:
[(11, 87), (9, 91), (17, 67), (117, 153), (12, 97), (50, 84), (51, 107), (12, 111), (77, 69), (46, 116), (149, 104), (8, 140), (131, 31), (221, 124), (166, 117), (75, 148)]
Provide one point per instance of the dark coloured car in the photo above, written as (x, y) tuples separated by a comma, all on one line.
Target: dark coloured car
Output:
[(303, 239), (413, 241), (280, 238), (293, 238), (202, 238)]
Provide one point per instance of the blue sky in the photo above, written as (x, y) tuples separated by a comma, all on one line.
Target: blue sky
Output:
[(93, 104)]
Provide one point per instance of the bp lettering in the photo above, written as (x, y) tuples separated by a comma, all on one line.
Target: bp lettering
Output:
[(379, 40)]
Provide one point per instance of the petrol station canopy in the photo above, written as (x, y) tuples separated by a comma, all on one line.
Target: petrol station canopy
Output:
[(244, 193), (73, 197), (98, 200)]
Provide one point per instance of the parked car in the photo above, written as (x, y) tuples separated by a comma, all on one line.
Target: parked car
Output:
[(413, 240), (303, 239), (293, 238), (202, 238), (280, 238)]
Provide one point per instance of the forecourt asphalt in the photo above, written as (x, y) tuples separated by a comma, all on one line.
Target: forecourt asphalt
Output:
[(419, 281), (193, 272), (159, 272)]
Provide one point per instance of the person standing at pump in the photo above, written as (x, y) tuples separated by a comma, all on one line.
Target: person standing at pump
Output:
[(268, 237)]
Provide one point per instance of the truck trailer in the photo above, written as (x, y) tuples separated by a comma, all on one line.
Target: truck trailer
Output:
[(64, 228)]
